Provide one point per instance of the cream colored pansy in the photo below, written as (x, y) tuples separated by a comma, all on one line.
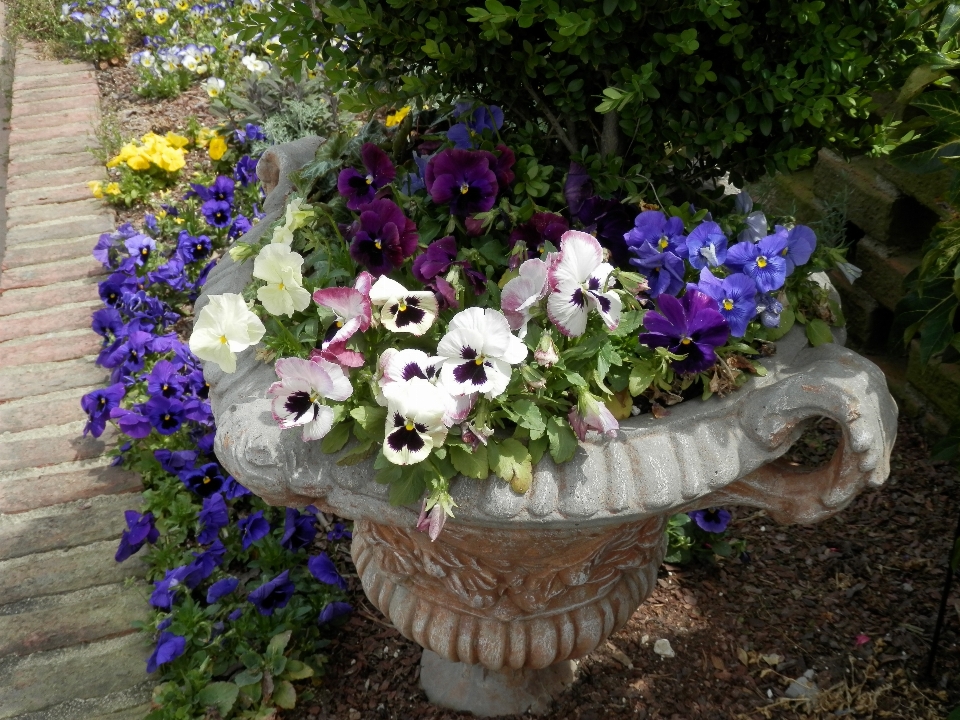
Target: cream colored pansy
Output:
[(298, 213), (225, 327), (280, 267)]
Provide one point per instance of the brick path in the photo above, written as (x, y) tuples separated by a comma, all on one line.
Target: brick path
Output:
[(67, 648)]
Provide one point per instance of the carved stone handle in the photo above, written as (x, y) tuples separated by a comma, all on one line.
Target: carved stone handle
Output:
[(833, 382)]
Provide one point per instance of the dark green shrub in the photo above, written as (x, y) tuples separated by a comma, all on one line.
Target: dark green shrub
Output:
[(682, 91)]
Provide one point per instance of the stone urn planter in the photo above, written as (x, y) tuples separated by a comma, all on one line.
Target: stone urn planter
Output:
[(519, 586)]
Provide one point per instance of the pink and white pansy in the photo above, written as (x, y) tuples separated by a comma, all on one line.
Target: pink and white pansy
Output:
[(404, 365), (414, 426), (521, 294), (351, 306), (477, 353), (298, 396), (579, 283), (402, 310)]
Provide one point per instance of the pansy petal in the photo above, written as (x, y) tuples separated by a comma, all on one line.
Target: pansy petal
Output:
[(580, 254), (320, 425)]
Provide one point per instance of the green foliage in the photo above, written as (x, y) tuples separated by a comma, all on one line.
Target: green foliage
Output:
[(680, 93), (686, 542), (37, 20)]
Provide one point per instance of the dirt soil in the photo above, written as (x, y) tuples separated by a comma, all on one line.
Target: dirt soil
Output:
[(853, 599)]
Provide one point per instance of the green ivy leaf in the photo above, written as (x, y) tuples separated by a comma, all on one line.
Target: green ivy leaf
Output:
[(221, 695), (472, 464), (511, 461)]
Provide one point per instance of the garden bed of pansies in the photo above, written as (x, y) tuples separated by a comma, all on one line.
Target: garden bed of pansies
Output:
[(252, 603)]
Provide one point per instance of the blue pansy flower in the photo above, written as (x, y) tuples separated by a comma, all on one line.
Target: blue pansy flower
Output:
[(212, 517), (273, 595), (98, 404), (735, 296), (253, 528), (664, 270), (473, 121), (801, 242), (334, 610), (221, 588), (763, 262), (323, 569), (652, 228), (165, 414), (706, 246), (169, 648), (140, 247), (140, 530), (204, 480)]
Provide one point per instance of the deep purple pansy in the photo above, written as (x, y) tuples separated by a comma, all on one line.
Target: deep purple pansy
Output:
[(361, 188), (692, 326)]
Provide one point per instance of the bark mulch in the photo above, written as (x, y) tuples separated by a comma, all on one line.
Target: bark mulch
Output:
[(852, 599)]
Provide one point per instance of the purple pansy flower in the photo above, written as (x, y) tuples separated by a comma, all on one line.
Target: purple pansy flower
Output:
[(221, 190), (692, 326), (165, 414), (204, 480), (252, 528), (331, 611), (216, 213), (193, 249), (735, 296), (165, 379), (473, 123), (221, 588), (463, 180), (706, 246), (323, 569), (98, 404), (273, 595), (140, 530), (131, 423), (140, 247), (662, 234), (108, 322), (246, 171), (383, 237), (339, 532), (436, 259), (769, 308), (213, 516), (116, 287), (713, 520), (205, 563), (165, 590), (240, 226), (299, 530), (360, 189), (540, 229), (169, 648), (170, 273), (176, 461), (663, 270), (763, 262), (801, 242)]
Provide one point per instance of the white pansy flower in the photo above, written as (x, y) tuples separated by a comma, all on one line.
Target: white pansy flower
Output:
[(580, 282), (298, 212), (225, 327), (298, 396), (282, 235), (284, 292), (415, 411), (477, 353), (402, 310)]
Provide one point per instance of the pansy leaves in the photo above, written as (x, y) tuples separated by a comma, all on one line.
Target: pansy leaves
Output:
[(642, 376), (818, 332), (369, 417), (511, 462), (472, 463), (334, 440), (221, 695), (526, 414), (563, 441)]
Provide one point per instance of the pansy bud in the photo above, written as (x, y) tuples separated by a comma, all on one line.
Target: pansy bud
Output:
[(546, 352)]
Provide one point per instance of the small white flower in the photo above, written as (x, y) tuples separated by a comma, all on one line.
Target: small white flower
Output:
[(477, 353), (298, 396), (225, 327), (415, 411), (284, 292), (402, 310), (213, 86), (578, 284), (190, 62)]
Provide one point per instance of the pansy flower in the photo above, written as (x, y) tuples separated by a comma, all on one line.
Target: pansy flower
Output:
[(706, 246), (193, 249), (436, 259), (216, 213), (252, 528), (414, 425), (801, 242), (410, 363), (221, 588), (431, 521), (762, 262), (522, 294), (212, 517), (579, 283), (297, 399), (140, 530), (165, 379), (662, 234), (332, 611), (477, 353), (323, 569), (360, 188), (692, 327), (735, 295), (534, 235), (755, 228), (97, 404), (769, 308), (165, 414), (473, 121), (221, 190), (402, 310), (140, 248), (463, 180), (382, 237), (713, 520), (273, 595), (299, 530), (280, 267), (204, 480), (351, 307), (169, 648), (663, 270)]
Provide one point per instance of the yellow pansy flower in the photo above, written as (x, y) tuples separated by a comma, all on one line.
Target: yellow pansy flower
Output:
[(96, 187), (397, 117), (138, 162), (204, 136), (112, 188), (218, 148), (177, 141)]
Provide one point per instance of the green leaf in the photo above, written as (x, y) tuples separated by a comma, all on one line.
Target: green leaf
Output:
[(251, 660), (641, 377), (221, 695), (537, 448), (247, 677), (334, 440), (530, 417), (472, 464), (358, 454), (936, 332), (511, 461), (408, 487), (818, 332), (278, 643), (370, 417), (284, 696), (563, 441), (297, 670), (949, 23)]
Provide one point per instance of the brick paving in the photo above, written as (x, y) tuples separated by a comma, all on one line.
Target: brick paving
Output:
[(67, 647)]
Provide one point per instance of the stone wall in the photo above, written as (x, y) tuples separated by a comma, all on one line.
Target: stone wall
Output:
[(890, 213)]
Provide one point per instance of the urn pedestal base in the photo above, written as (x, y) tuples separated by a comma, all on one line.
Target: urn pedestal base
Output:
[(493, 693)]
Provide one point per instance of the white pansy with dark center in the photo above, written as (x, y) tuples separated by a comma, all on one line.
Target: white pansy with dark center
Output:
[(579, 283), (414, 426), (225, 326), (297, 399), (522, 293), (477, 353), (280, 267), (403, 310), (404, 365)]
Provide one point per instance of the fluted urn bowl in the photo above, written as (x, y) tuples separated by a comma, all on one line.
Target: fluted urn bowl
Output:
[(518, 586)]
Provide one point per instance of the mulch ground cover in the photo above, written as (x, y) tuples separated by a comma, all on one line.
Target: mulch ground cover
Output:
[(851, 600)]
